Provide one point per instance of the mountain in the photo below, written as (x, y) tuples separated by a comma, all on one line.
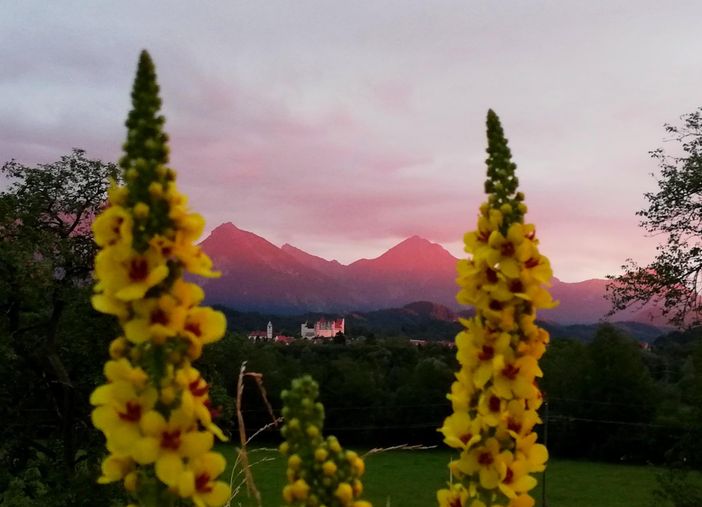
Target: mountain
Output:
[(415, 269), (259, 276), (329, 268)]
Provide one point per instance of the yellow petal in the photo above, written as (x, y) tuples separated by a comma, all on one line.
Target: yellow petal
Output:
[(196, 443), (186, 483), (101, 395), (152, 423), (218, 496), (145, 450), (169, 468), (137, 330)]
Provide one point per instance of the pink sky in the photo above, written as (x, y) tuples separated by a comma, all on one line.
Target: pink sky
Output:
[(343, 128)]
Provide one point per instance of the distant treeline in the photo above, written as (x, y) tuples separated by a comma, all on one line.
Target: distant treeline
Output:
[(422, 320), (608, 399)]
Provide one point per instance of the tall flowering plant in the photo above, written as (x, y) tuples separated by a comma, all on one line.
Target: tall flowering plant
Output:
[(154, 409), (495, 397), (320, 473)]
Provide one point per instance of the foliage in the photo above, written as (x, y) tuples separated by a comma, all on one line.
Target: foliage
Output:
[(672, 280), (675, 488), (154, 409), (50, 339)]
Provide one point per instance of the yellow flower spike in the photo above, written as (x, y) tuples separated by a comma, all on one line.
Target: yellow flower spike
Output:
[(331, 475), (495, 396), (155, 409)]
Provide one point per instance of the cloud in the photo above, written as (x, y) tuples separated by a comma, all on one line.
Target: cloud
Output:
[(344, 128)]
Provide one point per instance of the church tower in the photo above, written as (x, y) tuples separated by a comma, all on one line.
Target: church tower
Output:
[(269, 331)]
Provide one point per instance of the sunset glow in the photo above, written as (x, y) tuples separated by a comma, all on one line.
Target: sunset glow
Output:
[(343, 129)]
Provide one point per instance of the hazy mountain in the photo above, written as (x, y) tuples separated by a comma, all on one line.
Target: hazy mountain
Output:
[(330, 268), (413, 270), (259, 276)]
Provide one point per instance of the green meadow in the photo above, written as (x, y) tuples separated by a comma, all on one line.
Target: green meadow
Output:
[(411, 478)]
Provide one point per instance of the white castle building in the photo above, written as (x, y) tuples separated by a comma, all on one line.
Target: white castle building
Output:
[(323, 329)]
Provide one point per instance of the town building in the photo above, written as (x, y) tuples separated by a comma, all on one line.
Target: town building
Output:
[(260, 336)]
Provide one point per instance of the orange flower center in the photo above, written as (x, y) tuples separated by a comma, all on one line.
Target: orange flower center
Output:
[(138, 269), (510, 371), (485, 458), (197, 389), (487, 353), (494, 403), (202, 483), (491, 275), (507, 249), (514, 425), (516, 286), (531, 263), (132, 412), (158, 316), (194, 328), (170, 440)]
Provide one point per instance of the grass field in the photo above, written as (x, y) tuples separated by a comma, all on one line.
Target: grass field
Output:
[(410, 478)]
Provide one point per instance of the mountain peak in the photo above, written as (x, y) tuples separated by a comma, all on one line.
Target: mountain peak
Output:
[(415, 241), (226, 227), (416, 247)]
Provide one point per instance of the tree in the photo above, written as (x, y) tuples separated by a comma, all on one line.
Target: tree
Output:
[(51, 341), (674, 279)]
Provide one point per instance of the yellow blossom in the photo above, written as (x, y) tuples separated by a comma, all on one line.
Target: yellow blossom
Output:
[(495, 395), (154, 410)]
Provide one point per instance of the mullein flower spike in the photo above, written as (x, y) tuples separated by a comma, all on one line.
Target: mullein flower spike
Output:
[(155, 410), (495, 397), (320, 473)]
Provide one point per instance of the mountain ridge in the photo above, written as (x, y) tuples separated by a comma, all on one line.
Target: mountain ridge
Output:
[(260, 276)]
